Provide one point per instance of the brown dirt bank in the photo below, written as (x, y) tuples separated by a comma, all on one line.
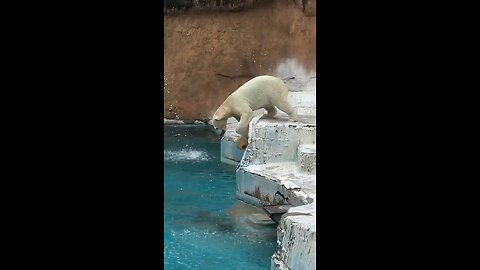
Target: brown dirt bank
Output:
[(208, 55)]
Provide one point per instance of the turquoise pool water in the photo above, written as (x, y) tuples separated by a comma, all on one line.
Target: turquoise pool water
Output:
[(205, 226)]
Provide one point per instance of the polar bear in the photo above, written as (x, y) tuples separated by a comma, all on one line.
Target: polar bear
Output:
[(265, 92)]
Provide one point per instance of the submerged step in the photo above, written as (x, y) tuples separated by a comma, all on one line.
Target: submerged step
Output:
[(276, 211), (307, 158), (260, 219)]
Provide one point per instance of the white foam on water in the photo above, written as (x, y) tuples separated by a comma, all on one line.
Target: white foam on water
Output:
[(186, 155)]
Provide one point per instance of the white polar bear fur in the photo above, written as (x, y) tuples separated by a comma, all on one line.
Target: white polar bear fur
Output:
[(260, 92)]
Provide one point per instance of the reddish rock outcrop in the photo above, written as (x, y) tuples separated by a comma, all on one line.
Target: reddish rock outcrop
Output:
[(209, 54)]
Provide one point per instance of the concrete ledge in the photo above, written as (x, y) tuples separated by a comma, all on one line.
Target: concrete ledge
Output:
[(303, 99), (277, 139), (296, 237), (306, 110), (275, 184)]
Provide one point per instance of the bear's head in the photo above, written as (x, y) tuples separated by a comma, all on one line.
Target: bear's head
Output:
[(219, 121), (220, 125)]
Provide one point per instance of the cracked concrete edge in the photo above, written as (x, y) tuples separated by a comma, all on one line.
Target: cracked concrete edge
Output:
[(278, 264), (296, 195)]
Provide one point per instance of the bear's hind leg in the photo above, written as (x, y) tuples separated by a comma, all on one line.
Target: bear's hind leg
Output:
[(284, 106), (271, 112)]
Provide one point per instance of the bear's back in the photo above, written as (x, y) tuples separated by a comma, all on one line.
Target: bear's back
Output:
[(259, 91)]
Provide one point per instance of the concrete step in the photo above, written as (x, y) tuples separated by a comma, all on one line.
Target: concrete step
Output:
[(277, 140), (275, 184), (307, 158), (296, 235), (304, 110), (304, 99)]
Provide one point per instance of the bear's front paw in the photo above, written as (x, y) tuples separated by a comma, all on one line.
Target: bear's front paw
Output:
[(241, 142)]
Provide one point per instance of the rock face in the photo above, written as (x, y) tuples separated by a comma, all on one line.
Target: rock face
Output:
[(178, 6), (209, 54), (307, 6)]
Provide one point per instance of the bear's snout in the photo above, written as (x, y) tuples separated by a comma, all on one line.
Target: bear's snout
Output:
[(220, 131)]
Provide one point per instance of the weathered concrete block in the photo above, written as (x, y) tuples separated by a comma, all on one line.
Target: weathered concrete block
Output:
[(306, 110), (296, 236), (258, 189), (307, 158), (229, 152), (275, 184), (277, 140), (302, 99)]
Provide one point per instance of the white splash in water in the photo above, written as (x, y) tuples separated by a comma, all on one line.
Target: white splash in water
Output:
[(186, 155)]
